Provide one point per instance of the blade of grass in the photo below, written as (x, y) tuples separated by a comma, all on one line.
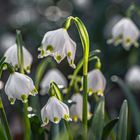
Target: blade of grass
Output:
[(131, 100), (98, 121), (108, 128), (122, 124)]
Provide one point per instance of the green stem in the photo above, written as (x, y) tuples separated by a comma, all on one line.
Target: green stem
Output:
[(79, 66), (85, 43), (27, 122), (21, 64), (4, 120), (68, 130), (76, 71), (20, 51)]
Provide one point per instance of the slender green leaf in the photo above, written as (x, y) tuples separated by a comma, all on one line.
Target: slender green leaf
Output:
[(108, 128), (138, 137), (37, 130), (2, 133), (122, 124), (40, 71), (131, 100), (54, 131), (98, 121)]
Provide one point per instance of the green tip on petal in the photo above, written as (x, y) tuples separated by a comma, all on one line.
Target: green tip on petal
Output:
[(50, 48), (75, 118), (100, 93), (66, 117), (90, 92), (69, 54), (128, 40), (42, 53), (72, 64), (12, 101), (28, 69), (24, 98), (56, 120), (58, 58), (46, 120), (34, 92)]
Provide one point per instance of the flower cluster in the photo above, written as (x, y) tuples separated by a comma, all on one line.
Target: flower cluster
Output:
[(58, 44)]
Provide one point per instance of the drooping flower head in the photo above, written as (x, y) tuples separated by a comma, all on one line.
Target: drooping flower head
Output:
[(54, 110), (12, 57), (53, 75), (125, 32), (58, 44), (76, 108), (133, 78), (19, 86), (96, 82)]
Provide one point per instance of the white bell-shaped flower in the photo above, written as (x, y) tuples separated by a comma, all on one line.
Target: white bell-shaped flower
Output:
[(54, 110), (12, 57), (19, 86), (53, 75), (76, 108), (126, 33), (132, 78), (58, 44), (96, 82)]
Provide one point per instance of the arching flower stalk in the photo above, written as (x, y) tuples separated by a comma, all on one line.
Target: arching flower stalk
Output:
[(58, 44), (125, 32)]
